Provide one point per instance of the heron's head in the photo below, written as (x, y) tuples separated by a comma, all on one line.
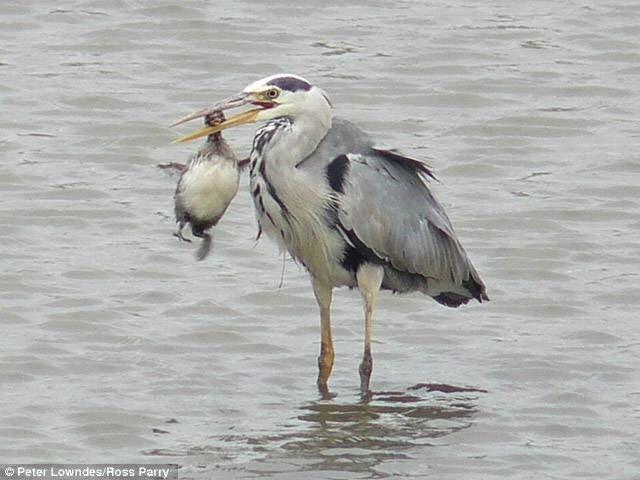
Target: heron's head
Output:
[(282, 95)]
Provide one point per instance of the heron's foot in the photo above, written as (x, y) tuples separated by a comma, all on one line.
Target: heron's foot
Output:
[(179, 235), (325, 365), (325, 393), (365, 370)]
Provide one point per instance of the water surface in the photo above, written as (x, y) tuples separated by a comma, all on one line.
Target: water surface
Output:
[(118, 346)]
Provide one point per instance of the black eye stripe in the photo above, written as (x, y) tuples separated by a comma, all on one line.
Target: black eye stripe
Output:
[(291, 84)]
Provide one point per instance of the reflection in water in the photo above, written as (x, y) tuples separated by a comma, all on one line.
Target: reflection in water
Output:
[(357, 437), (353, 437)]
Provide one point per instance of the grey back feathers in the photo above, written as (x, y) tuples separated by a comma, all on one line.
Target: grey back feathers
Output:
[(387, 214)]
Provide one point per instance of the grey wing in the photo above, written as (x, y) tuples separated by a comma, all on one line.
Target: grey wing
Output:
[(387, 206)]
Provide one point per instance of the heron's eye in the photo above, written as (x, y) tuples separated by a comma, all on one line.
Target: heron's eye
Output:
[(273, 93)]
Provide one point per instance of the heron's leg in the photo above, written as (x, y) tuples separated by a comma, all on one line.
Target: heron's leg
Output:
[(323, 295), (369, 277)]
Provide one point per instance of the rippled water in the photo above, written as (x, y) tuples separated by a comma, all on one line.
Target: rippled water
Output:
[(117, 346)]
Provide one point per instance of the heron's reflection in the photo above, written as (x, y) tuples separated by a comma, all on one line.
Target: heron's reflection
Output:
[(351, 436), (383, 426)]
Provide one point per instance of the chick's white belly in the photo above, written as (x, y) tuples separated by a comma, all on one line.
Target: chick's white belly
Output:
[(208, 189)]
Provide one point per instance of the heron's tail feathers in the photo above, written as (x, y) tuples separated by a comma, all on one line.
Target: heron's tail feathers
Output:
[(472, 288), (445, 292)]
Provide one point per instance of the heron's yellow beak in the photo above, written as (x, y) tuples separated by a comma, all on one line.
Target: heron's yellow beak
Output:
[(249, 116), (239, 100)]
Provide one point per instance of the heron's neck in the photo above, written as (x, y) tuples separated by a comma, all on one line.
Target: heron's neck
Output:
[(300, 140), (310, 130)]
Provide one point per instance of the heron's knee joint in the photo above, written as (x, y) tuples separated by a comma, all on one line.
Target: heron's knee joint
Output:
[(326, 349)]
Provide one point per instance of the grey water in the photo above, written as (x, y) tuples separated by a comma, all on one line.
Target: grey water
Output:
[(117, 346)]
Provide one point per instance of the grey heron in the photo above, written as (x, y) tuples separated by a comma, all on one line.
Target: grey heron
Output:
[(207, 185), (352, 214)]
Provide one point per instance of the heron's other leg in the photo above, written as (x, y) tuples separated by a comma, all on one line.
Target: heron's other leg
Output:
[(369, 277), (323, 295)]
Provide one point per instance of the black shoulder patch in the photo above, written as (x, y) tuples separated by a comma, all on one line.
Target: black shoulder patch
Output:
[(291, 84), (337, 172), (357, 252)]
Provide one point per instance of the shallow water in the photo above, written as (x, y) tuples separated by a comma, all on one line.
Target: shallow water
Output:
[(118, 346)]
